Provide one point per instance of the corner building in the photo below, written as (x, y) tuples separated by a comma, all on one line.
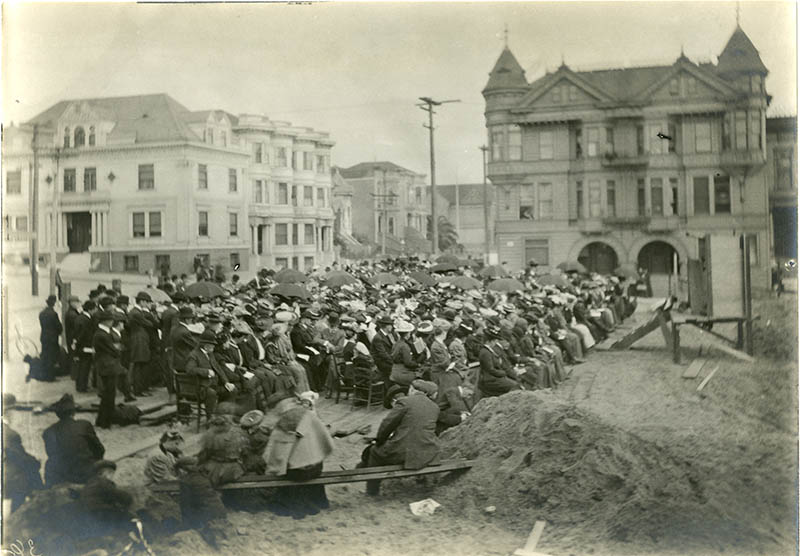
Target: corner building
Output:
[(630, 165)]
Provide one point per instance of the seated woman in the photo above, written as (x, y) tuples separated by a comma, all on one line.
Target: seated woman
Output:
[(161, 467), (405, 363), (222, 450)]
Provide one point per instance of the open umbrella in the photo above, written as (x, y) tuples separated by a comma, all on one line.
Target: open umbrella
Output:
[(339, 278), (444, 267), (627, 270), (205, 289), (384, 278), (290, 291), (159, 296), (493, 271), (423, 278), (552, 280), (447, 258), (506, 285), (572, 266), (466, 283), (290, 276), (472, 263)]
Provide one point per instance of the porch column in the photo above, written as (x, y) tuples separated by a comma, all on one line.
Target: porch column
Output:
[(252, 240), (104, 228), (95, 229)]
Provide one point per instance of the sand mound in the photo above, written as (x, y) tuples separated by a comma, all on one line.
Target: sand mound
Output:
[(541, 458)]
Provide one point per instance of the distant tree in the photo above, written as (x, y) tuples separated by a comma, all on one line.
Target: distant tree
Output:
[(448, 236)]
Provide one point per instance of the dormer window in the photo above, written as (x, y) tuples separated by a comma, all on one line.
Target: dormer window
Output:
[(755, 83), (80, 137), (67, 137), (673, 86), (92, 141)]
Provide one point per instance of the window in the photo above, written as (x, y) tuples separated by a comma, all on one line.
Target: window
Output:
[(609, 140), (514, 142), (418, 195), (258, 191), (640, 140), (92, 140), (14, 182), (691, 85), (138, 224), (295, 234), (21, 224), (308, 196), (555, 95), (294, 195), (545, 201), (573, 93), (80, 137), (752, 243), (294, 263), (66, 137), (755, 83), (89, 179), (578, 143), (202, 176), (538, 250), (702, 137), (320, 197), (641, 198), (308, 234), (579, 199), (755, 129), (657, 196), (233, 224), (391, 225), (526, 206), (234, 261), (593, 137), (280, 157), (281, 236), (258, 153), (784, 175), (283, 194), (700, 187), (595, 196), (69, 180), (672, 131), (202, 223), (131, 263), (295, 155), (673, 86), (673, 203), (656, 143), (496, 140), (611, 198), (740, 123), (308, 262), (320, 164), (546, 145), (146, 176), (282, 262), (224, 137), (233, 182), (162, 262), (726, 132), (209, 136), (722, 194), (308, 161), (155, 224)]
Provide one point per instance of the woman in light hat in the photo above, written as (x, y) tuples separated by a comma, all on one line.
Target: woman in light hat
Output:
[(405, 363)]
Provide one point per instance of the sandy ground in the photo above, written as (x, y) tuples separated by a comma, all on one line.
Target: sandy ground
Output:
[(740, 433)]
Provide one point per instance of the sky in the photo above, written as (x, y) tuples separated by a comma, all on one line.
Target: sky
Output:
[(356, 70)]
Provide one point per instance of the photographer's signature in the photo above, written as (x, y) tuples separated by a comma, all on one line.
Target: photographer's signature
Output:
[(17, 548)]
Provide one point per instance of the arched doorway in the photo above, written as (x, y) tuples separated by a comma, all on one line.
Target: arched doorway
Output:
[(598, 257), (662, 263)]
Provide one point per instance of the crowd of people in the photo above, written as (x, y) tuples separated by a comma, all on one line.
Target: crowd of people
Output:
[(431, 339)]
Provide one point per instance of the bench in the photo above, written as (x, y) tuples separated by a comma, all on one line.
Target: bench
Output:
[(331, 477)]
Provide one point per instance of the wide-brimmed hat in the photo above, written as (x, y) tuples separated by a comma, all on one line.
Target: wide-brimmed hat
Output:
[(185, 313), (311, 314), (385, 319), (208, 337), (425, 327), (425, 386), (285, 316), (492, 331), (65, 403), (143, 296), (403, 326), (251, 418)]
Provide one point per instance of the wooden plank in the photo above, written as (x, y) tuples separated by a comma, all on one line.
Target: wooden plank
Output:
[(533, 539), (332, 477), (665, 330), (706, 379), (723, 348), (637, 334), (694, 369)]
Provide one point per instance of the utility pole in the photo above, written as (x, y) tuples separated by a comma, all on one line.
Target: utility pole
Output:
[(484, 149), (427, 105), (383, 201), (385, 213), (34, 212), (54, 224)]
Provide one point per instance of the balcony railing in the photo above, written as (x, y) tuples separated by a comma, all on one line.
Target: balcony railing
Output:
[(627, 222), (619, 160), (742, 158)]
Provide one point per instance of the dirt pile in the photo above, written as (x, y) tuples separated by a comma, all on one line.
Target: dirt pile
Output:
[(596, 485)]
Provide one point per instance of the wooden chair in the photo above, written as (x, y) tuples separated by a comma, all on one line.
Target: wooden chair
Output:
[(339, 372), (372, 391), (189, 388)]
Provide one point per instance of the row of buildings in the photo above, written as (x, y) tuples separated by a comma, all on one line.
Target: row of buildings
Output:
[(627, 165)]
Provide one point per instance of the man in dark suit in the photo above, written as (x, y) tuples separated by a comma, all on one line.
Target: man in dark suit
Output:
[(72, 446), (141, 324), (496, 372), (309, 347), (51, 330), (202, 362), (381, 347), (182, 340), (82, 349), (107, 348), (169, 319), (69, 325), (407, 435)]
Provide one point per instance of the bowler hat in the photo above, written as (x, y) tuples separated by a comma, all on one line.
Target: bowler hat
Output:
[(385, 319), (492, 331), (186, 313), (66, 403), (251, 418), (143, 296), (213, 317), (105, 301), (179, 297), (208, 337), (311, 314), (123, 300), (104, 315)]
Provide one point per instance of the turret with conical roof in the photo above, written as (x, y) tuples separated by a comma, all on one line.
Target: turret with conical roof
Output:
[(739, 61), (506, 83)]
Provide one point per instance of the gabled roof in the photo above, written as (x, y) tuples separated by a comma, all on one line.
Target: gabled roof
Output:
[(683, 64), (201, 116), (507, 73), (544, 83), (740, 55), (149, 118), (468, 193), (340, 186), (364, 169)]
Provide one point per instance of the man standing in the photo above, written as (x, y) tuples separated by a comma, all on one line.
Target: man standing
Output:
[(382, 344), (51, 330), (182, 340), (107, 349), (142, 324), (69, 325), (82, 349), (72, 446)]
